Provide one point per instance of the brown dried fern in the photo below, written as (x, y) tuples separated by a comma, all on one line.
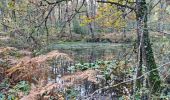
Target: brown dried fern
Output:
[(34, 69)]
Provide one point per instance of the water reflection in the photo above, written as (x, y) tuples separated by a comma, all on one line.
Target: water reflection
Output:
[(90, 52), (87, 53)]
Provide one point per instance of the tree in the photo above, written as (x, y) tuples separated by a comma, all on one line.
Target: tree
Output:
[(145, 54), (145, 49)]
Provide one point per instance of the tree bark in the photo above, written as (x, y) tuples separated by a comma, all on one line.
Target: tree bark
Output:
[(146, 56), (3, 14), (13, 10), (89, 14)]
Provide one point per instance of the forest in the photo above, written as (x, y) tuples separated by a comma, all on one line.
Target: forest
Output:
[(84, 50)]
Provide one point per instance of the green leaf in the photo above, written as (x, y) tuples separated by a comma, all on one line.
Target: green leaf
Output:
[(11, 5)]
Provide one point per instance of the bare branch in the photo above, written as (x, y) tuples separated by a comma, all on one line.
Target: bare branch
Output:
[(117, 4), (53, 3), (155, 5), (107, 87)]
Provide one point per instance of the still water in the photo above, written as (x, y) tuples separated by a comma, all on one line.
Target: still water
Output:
[(88, 53), (91, 52)]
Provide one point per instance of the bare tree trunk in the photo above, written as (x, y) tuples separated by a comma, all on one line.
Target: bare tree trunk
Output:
[(161, 17), (5, 27), (69, 23), (13, 10), (89, 4)]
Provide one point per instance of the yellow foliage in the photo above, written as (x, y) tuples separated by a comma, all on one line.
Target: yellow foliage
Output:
[(107, 16)]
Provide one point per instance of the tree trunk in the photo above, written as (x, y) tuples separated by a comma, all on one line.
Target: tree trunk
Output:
[(13, 10), (89, 14), (3, 14), (146, 56)]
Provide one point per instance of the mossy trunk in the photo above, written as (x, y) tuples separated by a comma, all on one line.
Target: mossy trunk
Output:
[(146, 56)]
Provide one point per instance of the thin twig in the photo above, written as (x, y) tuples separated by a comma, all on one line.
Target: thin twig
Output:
[(107, 87)]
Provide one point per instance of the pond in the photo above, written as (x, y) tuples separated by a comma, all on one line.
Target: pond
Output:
[(89, 53)]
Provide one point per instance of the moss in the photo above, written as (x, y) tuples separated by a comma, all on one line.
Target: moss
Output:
[(147, 57)]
